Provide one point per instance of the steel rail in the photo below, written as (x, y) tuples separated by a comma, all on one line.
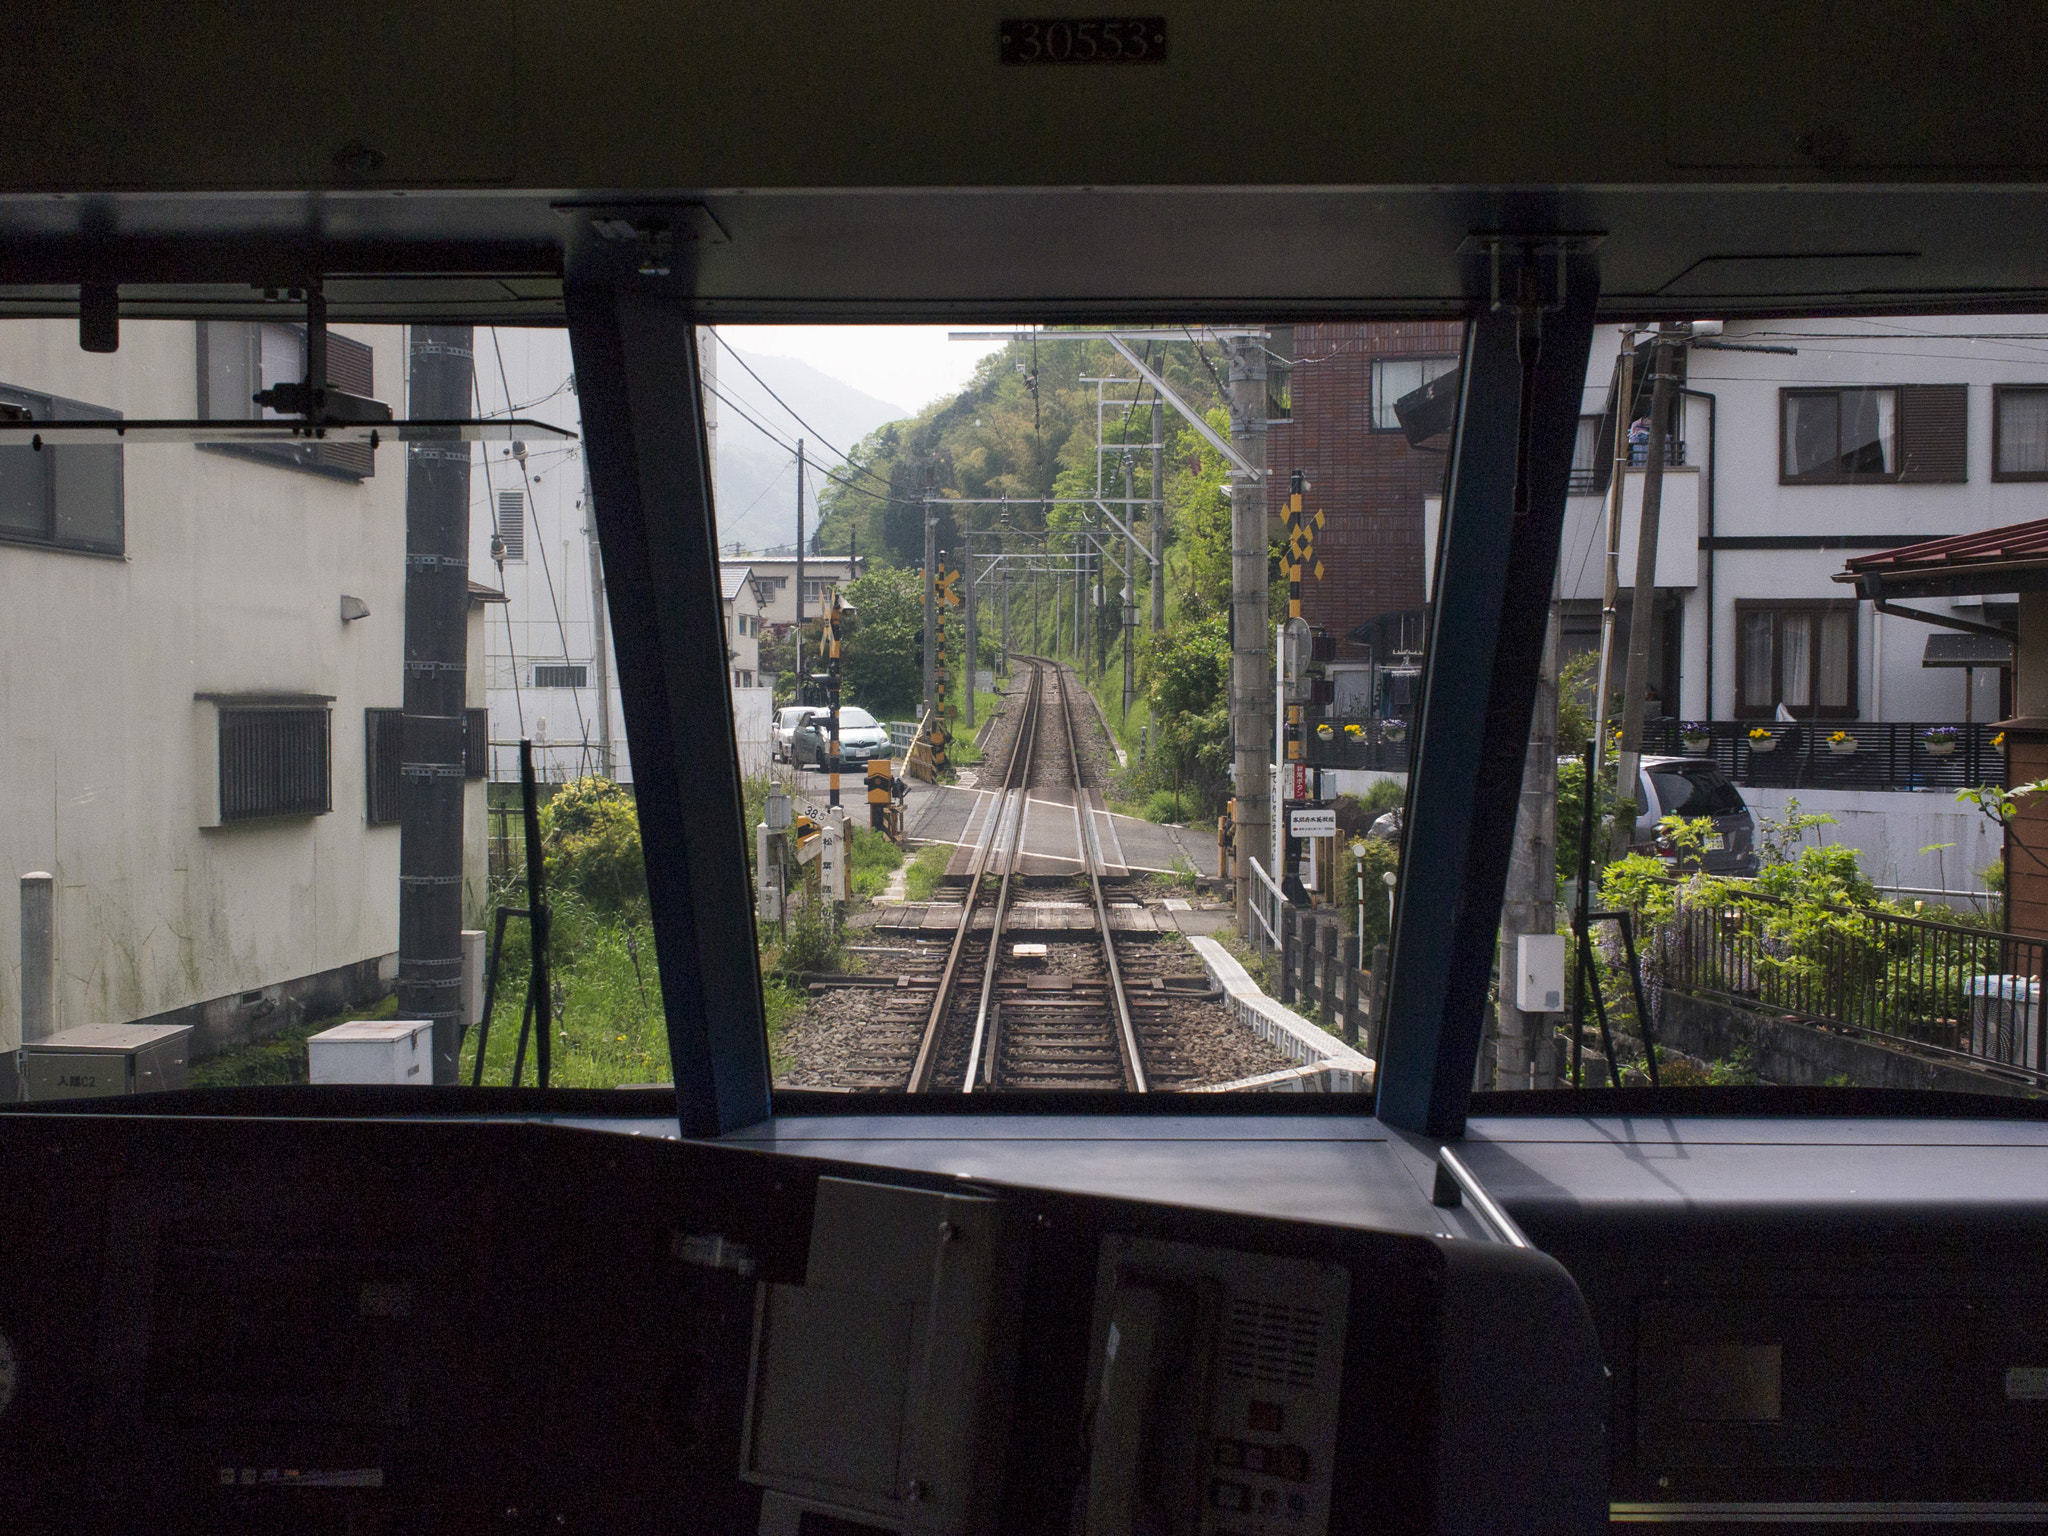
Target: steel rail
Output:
[(981, 1050), (1091, 857), (926, 1063)]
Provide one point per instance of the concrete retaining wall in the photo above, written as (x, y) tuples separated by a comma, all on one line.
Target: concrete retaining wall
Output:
[(1327, 1063), (1801, 1055)]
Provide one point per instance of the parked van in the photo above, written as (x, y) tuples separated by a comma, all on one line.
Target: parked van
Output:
[(1692, 787)]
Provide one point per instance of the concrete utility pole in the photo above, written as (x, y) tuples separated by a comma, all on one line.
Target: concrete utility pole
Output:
[(1158, 517), (1523, 1055), (1003, 587), (1610, 588), (1251, 684), (931, 615), (436, 672), (1643, 601), (973, 654), (600, 638), (800, 573)]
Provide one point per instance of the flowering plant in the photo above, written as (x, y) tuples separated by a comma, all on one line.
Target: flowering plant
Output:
[(1695, 728), (1838, 737), (1391, 727), (1758, 733), (1999, 740), (1354, 729), (1934, 735)]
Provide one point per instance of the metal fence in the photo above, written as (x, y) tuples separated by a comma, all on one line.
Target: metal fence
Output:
[(1359, 743), (1879, 754), (1969, 993)]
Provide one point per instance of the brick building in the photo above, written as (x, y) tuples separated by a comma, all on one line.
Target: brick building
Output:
[(1368, 482)]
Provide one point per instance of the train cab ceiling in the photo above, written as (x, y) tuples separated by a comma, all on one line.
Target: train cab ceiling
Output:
[(725, 1311)]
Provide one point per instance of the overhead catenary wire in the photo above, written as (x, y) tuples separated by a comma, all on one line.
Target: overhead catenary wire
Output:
[(808, 428), (491, 501), (547, 572)]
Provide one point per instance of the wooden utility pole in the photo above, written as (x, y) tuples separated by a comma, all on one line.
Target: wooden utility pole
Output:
[(800, 570), (1643, 601), (1610, 586), (1158, 517)]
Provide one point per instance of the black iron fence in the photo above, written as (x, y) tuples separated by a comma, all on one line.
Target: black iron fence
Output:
[(1874, 754), (1970, 993), (1358, 743)]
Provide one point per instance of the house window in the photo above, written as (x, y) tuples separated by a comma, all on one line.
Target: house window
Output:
[(2019, 432), (67, 497), (274, 762), (1908, 434), (238, 358), (383, 755), (769, 586), (511, 526), (1799, 655), (815, 591), (1280, 373), (560, 674), (1586, 465), (1394, 377)]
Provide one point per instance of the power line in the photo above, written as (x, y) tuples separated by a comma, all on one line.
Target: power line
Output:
[(840, 453), (561, 628)]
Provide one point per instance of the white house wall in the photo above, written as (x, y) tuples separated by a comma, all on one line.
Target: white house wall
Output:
[(230, 583)]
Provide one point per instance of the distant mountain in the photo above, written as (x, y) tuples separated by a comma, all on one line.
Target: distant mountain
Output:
[(756, 489)]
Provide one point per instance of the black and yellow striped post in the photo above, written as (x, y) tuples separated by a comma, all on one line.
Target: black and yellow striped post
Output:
[(881, 772)]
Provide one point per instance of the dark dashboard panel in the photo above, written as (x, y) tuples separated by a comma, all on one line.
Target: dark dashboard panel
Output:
[(369, 1325)]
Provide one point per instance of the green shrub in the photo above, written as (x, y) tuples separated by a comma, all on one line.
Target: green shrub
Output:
[(921, 880), (1163, 805)]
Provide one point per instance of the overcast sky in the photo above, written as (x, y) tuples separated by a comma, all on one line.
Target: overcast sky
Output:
[(906, 365)]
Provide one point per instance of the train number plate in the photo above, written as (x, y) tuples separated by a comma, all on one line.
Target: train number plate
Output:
[(1083, 40)]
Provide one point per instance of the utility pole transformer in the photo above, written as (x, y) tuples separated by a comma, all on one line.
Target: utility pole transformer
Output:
[(430, 781), (1251, 726)]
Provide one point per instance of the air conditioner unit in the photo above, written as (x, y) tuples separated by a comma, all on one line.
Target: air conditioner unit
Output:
[(389, 1051)]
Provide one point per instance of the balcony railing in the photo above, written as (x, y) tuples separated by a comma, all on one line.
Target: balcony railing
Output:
[(1371, 746), (1970, 994), (1586, 479), (1886, 755)]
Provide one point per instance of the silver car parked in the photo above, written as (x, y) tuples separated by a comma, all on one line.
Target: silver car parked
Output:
[(1693, 787)]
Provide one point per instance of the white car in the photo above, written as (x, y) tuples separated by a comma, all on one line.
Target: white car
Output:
[(787, 719)]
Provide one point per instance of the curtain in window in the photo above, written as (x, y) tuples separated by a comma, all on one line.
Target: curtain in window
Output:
[(2023, 432), (1795, 660), (1812, 439), (1759, 681), (1870, 421), (1835, 684)]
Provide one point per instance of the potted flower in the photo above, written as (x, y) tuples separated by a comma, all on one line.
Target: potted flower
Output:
[(1841, 743), (1394, 730), (1354, 730), (1696, 736), (1940, 740), (1998, 742), (1762, 740)]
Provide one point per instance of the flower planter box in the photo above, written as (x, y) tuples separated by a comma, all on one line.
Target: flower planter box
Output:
[(1763, 743), (1696, 745), (1842, 748), (1940, 748)]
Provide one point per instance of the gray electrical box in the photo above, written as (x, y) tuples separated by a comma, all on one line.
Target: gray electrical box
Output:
[(97, 1060), (879, 1396)]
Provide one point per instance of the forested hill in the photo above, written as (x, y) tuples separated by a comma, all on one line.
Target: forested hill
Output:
[(1025, 428)]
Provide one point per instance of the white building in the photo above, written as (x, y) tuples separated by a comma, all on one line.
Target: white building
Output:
[(194, 719), (552, 675), (775, 577), (1835, 438)]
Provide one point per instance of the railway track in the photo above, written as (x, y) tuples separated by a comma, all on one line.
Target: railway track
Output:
[(992, 1021)]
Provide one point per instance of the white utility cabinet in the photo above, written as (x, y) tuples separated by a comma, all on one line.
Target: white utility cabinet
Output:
[(384, 1051)]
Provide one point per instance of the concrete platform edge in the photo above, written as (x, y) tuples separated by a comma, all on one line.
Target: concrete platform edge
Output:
[(1346, 1070)]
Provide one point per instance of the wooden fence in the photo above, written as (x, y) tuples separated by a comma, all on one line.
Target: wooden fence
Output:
[(1320, 973)]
